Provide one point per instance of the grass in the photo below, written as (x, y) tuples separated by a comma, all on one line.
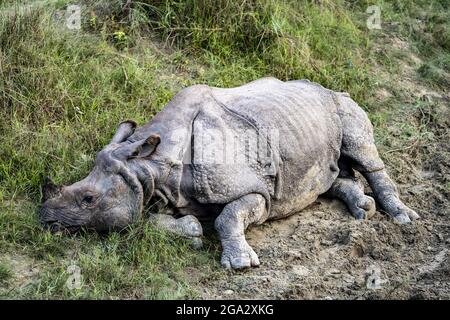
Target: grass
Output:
[(286, 39), (426, 24), (5, 273), (63, 92)]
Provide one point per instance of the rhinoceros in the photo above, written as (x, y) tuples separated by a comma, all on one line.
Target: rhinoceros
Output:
[(238, 156)]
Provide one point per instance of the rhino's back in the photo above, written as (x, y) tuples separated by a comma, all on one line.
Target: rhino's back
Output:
[(304, 113), (309, 134)]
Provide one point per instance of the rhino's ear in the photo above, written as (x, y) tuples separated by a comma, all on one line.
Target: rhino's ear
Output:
[(49, 189), (125, 129), (139, 149)]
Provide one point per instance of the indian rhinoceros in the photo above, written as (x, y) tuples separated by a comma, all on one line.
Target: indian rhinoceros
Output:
[(241, 156)]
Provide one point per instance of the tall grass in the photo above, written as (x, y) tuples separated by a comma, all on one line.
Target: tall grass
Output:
[(62, 95), (286, 39)]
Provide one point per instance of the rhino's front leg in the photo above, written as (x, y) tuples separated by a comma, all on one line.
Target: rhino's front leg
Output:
[(231, 224), (187, 226)]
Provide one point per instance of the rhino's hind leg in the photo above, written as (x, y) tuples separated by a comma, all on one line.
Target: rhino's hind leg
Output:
[(351, 191), (231, 224), (387, 196), (358, 148), (187, 226)]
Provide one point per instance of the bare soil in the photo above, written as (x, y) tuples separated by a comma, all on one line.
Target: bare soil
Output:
[(324, 253)]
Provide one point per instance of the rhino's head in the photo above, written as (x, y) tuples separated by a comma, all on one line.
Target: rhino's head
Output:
[(110, 197)]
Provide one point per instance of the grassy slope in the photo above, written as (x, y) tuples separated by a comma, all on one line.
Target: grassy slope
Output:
[(62, 94)]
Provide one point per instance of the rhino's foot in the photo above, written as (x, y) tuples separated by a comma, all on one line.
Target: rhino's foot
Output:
[(386, 195), (187, 227), (412, 214), (398, 210), (191, 228), (351, 191), (237, 254), (231, 224), (196, 243), (363, 208)]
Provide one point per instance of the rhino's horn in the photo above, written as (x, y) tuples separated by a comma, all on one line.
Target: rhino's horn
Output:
[(125, 129), (49, 189)]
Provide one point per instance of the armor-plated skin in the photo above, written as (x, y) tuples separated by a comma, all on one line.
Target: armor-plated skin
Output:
[(241, 156)]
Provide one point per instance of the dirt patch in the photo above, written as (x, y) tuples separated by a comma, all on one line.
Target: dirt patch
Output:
[(24, 272), (324, 253)]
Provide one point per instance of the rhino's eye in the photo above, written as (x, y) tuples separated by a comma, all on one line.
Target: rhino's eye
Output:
[(88, 199)]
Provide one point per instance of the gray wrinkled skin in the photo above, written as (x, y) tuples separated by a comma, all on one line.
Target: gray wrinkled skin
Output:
[(319, 138)]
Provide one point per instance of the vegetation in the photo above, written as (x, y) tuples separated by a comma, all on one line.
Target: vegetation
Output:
[(62, 93)]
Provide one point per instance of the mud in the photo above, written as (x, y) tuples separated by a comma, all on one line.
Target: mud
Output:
[(324, 253)]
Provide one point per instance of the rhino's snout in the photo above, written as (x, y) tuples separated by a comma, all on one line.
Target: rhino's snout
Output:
[(45, 217), (55, 222)]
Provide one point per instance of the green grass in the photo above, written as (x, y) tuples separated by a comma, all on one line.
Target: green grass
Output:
[(286, 39), (62, 93), (5, 273), (427, 25)]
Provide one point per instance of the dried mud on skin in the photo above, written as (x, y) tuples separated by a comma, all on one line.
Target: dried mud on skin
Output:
[(324, 253)]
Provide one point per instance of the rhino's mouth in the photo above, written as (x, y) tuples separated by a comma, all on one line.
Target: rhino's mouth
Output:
[(57, 226)]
